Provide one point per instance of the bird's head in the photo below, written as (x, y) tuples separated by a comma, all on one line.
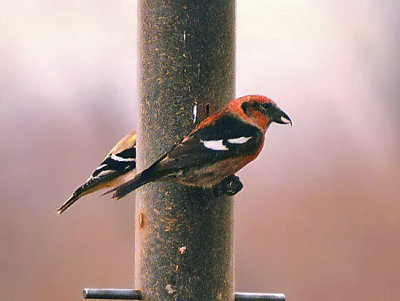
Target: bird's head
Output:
[(261, 110)]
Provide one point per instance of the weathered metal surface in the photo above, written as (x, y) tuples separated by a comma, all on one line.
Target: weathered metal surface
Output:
[(186, 71)]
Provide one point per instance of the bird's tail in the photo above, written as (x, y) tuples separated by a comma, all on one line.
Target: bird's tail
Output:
[(74, 197), (139, 180)]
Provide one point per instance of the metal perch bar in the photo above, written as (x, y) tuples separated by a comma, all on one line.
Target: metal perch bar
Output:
[(259, 297), (129, 294), (112, 293)]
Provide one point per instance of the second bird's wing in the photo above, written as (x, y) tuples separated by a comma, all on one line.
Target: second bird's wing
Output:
[(118, 162)]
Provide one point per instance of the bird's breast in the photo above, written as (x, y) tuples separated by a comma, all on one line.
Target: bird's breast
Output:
[(212, 174)]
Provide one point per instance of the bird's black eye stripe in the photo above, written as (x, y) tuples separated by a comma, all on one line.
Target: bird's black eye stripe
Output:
[(245, 108), (268, 106), (129, 153)]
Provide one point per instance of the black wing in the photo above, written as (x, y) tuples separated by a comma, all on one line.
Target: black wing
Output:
[(227, 137), (113, 165)]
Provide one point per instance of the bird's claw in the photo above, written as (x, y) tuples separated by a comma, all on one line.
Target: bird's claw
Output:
[(233, 186), (229, 186)]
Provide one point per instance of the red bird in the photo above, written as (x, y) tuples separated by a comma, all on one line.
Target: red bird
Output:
[(216, 149)]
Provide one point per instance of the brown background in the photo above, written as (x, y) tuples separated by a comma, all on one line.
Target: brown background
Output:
[(318, 218)]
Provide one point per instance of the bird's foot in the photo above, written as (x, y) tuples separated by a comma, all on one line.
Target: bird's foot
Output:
[(229, 186)]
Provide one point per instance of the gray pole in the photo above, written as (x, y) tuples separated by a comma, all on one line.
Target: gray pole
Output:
[(186, 68)]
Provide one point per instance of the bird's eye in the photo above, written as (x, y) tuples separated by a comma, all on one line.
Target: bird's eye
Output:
[(267, 106)]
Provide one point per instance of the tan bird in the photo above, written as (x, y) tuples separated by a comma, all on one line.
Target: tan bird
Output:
[(117, 168)]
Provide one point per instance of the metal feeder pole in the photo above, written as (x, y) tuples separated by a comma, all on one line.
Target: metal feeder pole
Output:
[(183, 235), (186, 71)]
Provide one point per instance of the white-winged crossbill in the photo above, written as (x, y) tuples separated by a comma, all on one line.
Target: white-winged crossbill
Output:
[(118, 167), (216, 149)]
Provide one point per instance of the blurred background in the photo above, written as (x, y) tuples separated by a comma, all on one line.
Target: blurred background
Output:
[(327, 226)]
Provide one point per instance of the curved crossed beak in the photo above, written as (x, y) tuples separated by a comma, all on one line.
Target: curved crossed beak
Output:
[(281, 117)]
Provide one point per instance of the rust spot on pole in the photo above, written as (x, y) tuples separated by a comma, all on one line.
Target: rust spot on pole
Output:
[(141, 220)]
